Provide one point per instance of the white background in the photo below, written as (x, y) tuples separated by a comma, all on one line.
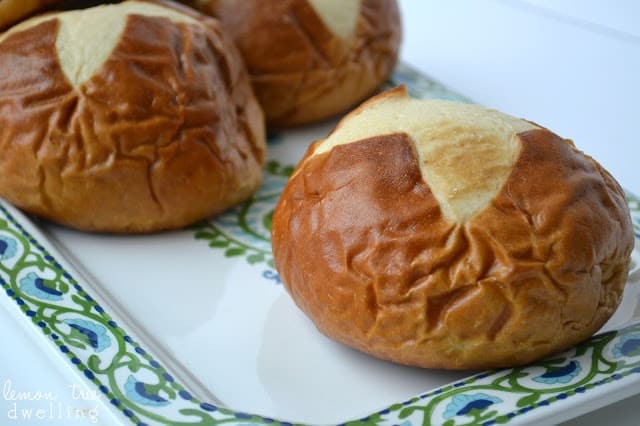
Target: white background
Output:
[(572, 66)]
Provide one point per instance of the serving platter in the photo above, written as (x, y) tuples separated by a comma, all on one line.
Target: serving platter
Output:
[(194, 327)]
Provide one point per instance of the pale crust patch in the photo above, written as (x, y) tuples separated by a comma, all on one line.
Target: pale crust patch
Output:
[(339, 16), (86, 38), (465, 152)]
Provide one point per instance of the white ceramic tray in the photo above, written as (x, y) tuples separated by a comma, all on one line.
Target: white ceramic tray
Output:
[(194, 327)]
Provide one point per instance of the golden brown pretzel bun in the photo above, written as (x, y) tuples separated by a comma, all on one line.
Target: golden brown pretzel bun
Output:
[(12, 11), (311, 59), (132, 117), (446, 235)]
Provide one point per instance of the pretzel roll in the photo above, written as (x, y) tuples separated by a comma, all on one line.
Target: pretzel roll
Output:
[(311, 59), (446, 235), (131, 117)]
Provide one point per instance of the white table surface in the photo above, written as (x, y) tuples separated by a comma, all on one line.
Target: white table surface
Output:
[(572, 66)]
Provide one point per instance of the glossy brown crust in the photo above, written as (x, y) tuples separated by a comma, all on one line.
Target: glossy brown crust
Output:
[(362, 247), (12, 11), (300, 70), (166, 133)]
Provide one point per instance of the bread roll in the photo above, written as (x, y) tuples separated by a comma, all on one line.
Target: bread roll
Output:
[(445, 235), (12, 11), (132, 117), (311, 59)]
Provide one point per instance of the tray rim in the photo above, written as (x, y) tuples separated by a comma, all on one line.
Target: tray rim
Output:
[(174, 402)]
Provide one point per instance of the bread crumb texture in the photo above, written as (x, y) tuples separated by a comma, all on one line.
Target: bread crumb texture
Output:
[(450, 236)]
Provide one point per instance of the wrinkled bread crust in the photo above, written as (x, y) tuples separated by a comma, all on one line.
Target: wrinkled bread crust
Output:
[(310, 60), (165, 132), (364, 246)]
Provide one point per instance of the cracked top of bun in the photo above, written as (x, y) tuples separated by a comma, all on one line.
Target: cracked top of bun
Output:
[(448, 235), (131, 117)]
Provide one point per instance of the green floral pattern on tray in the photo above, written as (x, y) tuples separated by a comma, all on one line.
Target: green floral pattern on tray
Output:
[(87, 336), (245, 230), (145, 392), (495, 397)]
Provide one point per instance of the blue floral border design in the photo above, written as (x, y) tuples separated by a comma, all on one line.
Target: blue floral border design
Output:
[(74, 323)]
